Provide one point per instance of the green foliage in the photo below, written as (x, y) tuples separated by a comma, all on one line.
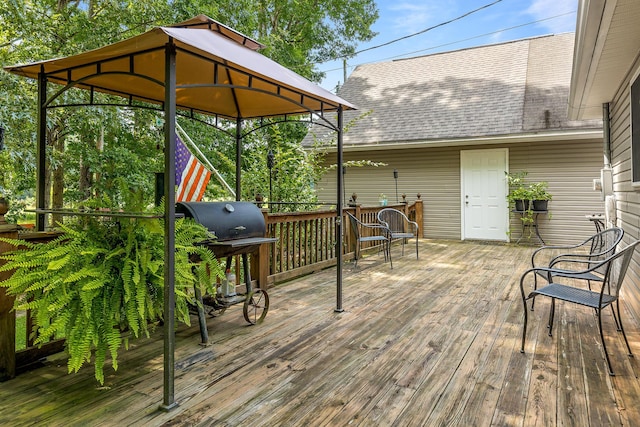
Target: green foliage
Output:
[(521, 189), (102, 277), (540, 191), (92, 145)]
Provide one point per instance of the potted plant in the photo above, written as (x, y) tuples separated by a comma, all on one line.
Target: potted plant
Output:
[(101, 283), (527, 198), (4, 208), (540, 195), (5, 202), (519, 192)]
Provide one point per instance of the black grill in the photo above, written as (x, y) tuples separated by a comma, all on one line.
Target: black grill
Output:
[(239, 227)]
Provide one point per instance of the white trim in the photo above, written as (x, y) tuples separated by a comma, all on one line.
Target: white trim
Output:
[(634, 76), (576, 136), (593, 24)]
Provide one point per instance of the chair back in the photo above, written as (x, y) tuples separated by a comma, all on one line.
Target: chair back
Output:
[(604, 244), (395, 220), (353, 221), (616, 268)]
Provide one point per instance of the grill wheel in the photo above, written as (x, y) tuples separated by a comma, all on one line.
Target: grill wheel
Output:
[(256, 306)]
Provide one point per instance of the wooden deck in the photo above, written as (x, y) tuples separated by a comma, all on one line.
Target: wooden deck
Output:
[(433, 342)]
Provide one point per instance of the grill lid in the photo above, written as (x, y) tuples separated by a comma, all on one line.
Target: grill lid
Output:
[(227, 220)]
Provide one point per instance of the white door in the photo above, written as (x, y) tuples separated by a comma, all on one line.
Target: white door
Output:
[(485, 213)]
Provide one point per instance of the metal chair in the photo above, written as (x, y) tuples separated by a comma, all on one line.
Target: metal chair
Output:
[(566, 260), (365, 232), (401, 227), (614, 267)]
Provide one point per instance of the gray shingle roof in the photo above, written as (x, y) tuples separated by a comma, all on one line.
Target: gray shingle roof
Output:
[(518, 87)]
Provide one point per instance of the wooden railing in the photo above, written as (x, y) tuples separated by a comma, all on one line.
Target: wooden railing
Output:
[(11, 360), (306, 242)]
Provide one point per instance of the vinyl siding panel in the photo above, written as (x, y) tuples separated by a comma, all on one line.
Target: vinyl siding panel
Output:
[(627, 196), (434, 174), (569, 167)]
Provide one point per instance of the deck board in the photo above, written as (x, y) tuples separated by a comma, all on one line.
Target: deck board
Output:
[(434, 341)]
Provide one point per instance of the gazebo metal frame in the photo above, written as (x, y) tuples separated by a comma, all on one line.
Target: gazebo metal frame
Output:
[(195, 68)]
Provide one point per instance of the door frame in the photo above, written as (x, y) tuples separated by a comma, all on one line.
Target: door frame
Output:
[(504, 150)]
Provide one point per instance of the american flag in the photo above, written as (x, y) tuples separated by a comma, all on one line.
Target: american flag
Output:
[(191, 176)]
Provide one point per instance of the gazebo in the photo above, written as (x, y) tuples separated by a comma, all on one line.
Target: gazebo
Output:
[(196, 68)]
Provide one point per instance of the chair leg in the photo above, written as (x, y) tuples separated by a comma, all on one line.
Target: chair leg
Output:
[(417, 247), (615, 319), (389, 253), (552, 312), (356, 255), (604, 346), (524, 325), (630, 354), (535, 288)]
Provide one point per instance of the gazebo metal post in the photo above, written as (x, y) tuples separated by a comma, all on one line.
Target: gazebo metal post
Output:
[(238, 158), (340, 216), (41, 151), (169, 224)]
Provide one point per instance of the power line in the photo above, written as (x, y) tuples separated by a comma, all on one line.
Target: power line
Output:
[(478, 36), (430, 28), (455, 42)]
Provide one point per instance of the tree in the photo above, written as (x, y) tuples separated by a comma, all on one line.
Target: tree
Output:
[(86, 144)]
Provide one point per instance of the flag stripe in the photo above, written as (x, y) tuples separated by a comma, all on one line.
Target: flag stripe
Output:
[(192, 179), (191, 176)]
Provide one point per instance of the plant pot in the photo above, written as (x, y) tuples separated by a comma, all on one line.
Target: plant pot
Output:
[(4, 208), (540, 205), (522, 205)]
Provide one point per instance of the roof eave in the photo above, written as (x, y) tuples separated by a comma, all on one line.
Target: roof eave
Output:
[(569, 136), (606, 47), (586, 54)]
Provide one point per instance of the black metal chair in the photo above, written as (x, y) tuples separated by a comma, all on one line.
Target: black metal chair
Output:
[(365, 232), (566, 260), (401, 227), (614, 267)]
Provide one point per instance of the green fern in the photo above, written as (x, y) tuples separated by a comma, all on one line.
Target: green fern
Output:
[(103, 277)]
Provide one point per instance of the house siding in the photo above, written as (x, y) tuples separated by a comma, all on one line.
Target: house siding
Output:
[(569, 167), (627, 196)]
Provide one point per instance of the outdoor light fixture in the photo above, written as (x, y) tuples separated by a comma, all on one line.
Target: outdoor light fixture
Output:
[(1, 138), (271, 160), (395, 176)]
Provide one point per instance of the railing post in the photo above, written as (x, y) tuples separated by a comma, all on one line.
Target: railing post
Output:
[(260, 259), (7, 315), (420, 214)]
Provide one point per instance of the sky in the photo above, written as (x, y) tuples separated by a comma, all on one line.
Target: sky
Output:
[(500, 21)]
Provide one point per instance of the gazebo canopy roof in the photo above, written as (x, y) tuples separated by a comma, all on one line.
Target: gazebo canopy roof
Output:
[(218, 72)]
